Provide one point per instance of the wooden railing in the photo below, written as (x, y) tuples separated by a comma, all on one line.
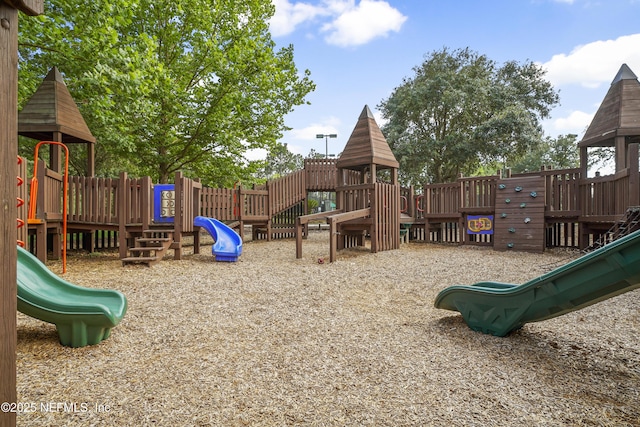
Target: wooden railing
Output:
[(320, 174), (254, 205), (441, 199), (286, 192), (562, 196), (477, 193), (605, 197), (93, 200), (354, 197), (220, 203), (562, 193)]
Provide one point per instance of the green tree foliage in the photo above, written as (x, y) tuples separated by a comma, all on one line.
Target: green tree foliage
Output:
[(169, 85), (313, 154), (280, 161), (461, 110), (555, 153)]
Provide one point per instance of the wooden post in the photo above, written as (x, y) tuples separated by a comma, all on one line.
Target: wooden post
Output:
[(91, 159), (634, 176), (621, 153), (123, 185), (179, 218), (8, 194), (55, 153), (583, 161), (9, 214)]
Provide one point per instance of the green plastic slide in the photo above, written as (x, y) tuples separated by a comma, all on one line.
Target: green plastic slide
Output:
[(499, 308), (83, 316)]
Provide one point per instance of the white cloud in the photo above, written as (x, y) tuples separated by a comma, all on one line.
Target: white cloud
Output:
[(329, 125), (594, 64), (350, 24), (360, 24), (576, 122), (256, 154), (289, 15)]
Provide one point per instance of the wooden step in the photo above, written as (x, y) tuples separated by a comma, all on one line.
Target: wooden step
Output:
[(152, 239), (158, 230), (140, 260), (146, 249)]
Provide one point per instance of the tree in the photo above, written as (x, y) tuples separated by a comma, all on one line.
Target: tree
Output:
[(280, 161), (170, 85), (462, 110), (557, 153), (313, 154)]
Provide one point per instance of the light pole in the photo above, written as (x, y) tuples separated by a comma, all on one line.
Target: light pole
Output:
[(326, 137)]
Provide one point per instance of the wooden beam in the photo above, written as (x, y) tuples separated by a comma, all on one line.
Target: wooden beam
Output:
[(347, 216), (29, 7)]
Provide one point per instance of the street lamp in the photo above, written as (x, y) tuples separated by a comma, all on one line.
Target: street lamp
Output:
[(326, 137)]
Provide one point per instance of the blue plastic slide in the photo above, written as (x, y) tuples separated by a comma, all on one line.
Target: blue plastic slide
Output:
[(228, 244), (83, 316)]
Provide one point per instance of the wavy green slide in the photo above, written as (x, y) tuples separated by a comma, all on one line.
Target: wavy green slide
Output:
[(499, 308), (83, 316)]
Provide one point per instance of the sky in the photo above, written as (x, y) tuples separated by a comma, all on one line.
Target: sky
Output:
[(359, 51)]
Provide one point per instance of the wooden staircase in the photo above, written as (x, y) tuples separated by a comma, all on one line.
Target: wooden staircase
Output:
[(628, 224), (150, 248)]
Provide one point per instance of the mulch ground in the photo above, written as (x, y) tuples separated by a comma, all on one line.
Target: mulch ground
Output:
[(275, 340)]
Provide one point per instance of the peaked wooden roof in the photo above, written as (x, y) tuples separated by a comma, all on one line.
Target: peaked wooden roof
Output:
[(619, 113), (367, 145), (52, 109)]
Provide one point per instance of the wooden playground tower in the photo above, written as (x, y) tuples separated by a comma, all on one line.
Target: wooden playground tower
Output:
[(365, 203)]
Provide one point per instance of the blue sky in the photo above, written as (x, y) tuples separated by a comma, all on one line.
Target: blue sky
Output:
[(358, 51)]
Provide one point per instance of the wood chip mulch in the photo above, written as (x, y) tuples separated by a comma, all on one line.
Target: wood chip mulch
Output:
[(273, 340)]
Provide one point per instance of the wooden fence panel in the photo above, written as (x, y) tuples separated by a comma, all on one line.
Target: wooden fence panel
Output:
[(93, 200), (605, 196), (286, 191), (387, 220), (320, 174), (354, 197), (441, 199), (478, 192), (220, 203), (254, 205)]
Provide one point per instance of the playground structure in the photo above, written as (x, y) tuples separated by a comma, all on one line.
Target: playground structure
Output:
[(365, 204), (523, 212)]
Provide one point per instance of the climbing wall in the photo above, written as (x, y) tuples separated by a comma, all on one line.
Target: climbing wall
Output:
[(519, 215)]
